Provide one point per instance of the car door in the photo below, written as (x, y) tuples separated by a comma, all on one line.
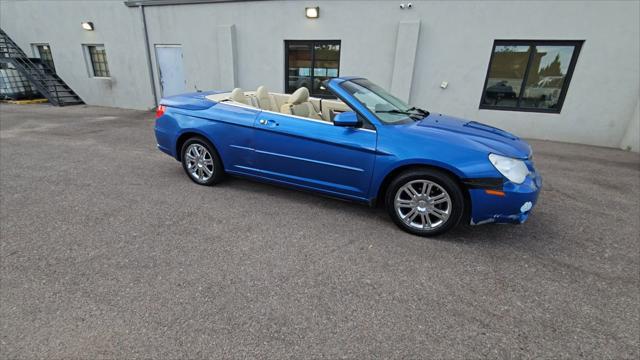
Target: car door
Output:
[(314, 154)]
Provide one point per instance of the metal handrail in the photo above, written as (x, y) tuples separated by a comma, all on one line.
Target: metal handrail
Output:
[(28, 67)]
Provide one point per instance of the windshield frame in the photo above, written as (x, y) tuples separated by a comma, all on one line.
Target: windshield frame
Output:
[(391, 102)]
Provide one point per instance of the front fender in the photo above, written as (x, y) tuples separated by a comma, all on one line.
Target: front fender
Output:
[(385, 168), (397, 149)]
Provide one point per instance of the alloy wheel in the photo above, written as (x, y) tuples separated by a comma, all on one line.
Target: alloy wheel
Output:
[(423, 204), (199, 162)]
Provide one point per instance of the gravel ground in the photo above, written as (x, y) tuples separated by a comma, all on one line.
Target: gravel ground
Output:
[(108, 250)]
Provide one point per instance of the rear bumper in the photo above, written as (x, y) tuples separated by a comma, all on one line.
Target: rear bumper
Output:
[(512, 208), (165, 139), (165, 150)]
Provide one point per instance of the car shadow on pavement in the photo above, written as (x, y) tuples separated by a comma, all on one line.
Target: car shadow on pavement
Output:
[(463, 233)]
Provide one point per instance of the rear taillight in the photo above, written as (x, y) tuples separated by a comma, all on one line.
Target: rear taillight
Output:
[(160, 111)]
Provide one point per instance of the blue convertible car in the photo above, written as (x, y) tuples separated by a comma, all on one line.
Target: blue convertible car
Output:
[(431, 170)]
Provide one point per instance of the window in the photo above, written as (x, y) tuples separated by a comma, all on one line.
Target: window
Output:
[(309, 63), (13, 85), (98, 60), (529, 75), (386, 107), (43, 51)]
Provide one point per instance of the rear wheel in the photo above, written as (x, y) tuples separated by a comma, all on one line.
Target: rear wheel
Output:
[(201, 161), (425, 202)]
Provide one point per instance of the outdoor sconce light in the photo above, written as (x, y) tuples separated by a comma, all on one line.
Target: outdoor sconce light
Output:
[(87, 25), (312, 12)]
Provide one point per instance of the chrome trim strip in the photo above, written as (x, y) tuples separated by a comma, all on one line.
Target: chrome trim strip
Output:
[(235, 103), (311, 160), (299, 117), (134, 3), (242, 147), (314, 120)]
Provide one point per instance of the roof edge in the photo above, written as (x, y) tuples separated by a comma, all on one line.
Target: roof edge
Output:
[(136, 3)]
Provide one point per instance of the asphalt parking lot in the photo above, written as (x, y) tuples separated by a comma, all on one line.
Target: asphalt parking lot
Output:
[(110, 251)]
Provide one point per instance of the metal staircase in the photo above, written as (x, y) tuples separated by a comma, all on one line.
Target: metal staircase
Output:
[(39, 75)]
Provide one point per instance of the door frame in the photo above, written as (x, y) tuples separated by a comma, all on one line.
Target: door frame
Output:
[(159, 72)]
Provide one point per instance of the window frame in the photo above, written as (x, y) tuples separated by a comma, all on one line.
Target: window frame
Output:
[(37, 54), (312, 44), (91, 69), (577, 44)]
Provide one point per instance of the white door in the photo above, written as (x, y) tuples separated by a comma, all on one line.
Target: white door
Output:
[(171, 70)]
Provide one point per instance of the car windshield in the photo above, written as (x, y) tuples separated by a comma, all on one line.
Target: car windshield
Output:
[(386, 107)]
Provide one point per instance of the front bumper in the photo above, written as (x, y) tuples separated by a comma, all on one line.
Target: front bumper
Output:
[(512, 208)]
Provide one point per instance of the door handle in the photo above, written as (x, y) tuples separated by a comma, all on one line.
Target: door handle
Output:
[(269, 123)]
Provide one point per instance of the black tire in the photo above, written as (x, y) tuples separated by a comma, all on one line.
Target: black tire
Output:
[(455, 207), (217, 169)]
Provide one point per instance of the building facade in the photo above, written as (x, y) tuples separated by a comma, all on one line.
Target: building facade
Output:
[(565, 71)]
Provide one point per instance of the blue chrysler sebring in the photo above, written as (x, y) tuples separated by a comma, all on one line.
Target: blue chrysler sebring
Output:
[(430, 170)]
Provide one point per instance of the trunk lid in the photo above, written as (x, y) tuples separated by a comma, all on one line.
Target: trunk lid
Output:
[(190, 101)]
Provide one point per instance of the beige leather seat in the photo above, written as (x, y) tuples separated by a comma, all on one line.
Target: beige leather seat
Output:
[(299, 105), (238, 95), (265, 100)]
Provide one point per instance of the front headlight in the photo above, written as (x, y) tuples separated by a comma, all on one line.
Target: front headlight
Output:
[(513, 169)]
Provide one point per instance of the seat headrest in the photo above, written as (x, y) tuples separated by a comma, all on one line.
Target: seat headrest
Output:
[(299, 96), (238, 95), (262, 92)]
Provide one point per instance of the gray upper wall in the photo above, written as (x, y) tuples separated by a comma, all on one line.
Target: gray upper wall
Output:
[(133, 3), (116, 26), (454, 44)]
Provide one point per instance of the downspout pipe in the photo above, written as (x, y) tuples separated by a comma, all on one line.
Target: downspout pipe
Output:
[(148, 53)]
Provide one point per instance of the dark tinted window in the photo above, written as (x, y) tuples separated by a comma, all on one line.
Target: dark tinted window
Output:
[(309, 63), (529, 75), (46, 57)]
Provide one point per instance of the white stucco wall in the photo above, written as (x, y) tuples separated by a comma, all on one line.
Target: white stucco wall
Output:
[(58, 23), (604, 88), (454, 45), (631, 138)]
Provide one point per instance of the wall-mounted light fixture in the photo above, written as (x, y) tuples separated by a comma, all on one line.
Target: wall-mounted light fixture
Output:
[(87, 25), (312, 12)]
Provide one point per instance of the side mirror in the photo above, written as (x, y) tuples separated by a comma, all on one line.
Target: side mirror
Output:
[(347, 118)]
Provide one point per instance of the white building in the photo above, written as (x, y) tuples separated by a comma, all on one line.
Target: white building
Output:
[(566, 71)]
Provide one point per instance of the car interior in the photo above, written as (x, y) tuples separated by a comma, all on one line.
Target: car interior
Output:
[(298, 104)]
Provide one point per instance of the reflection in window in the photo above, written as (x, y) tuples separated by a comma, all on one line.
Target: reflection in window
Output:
[(98, 58), (299, 69), (507, 70), (529, 75), (304, 72), (546, 76), (319, 72), (44, 51), (309, 63)]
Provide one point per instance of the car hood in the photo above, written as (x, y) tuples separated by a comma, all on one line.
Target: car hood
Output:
[(491, 138)]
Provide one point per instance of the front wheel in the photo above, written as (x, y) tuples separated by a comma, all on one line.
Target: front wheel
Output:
[(425, 202), (201, 161)]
